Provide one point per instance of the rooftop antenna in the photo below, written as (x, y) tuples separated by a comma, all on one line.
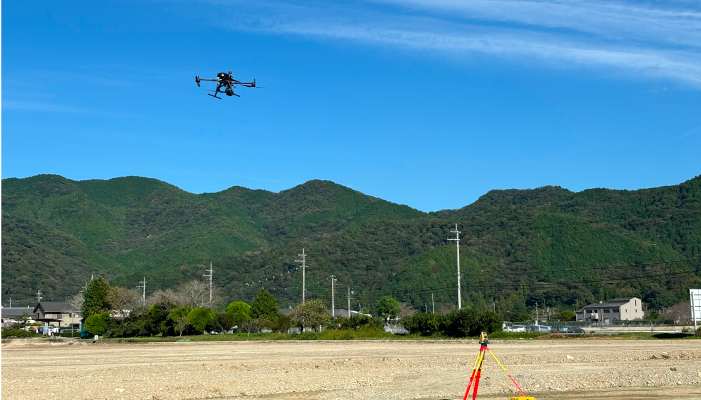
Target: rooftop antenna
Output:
[(457, 241), (333, 296), (210, 275), (304, 266)]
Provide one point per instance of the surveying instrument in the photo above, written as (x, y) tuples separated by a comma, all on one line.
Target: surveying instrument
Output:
[(477, 371)]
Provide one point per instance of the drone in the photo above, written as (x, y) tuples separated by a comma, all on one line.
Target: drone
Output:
[(225, 84)]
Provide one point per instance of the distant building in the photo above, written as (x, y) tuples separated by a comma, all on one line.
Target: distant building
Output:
[(57, 313), (12, 315), (625, 309)]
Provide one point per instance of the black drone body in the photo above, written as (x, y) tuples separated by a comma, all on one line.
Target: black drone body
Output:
[(225, 84)]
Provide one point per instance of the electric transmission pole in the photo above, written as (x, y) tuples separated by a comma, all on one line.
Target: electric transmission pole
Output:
[(457, 241), (39, 293), (142, 285), (210, 275), (304, 266), (333, 296), (433, 305), (349, 299)]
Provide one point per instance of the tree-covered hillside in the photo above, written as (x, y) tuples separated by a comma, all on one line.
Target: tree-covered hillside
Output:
[(518, 247)]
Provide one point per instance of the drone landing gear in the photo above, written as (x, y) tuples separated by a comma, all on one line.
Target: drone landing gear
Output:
[(214, 95)]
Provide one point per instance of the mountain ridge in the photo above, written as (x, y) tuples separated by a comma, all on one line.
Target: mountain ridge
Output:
[(130, 227)]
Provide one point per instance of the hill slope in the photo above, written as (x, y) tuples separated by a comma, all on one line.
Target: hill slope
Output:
[(519, 246)]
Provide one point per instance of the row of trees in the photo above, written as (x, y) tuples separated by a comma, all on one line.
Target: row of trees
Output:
[(114, 312), (458, 323)]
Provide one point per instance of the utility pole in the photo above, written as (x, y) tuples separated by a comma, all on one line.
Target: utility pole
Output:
[(349, 299), (210, 275), (304, 266), (433, 305), (333, 296), (536, 313), (457, 241), (143, 295), (39, 293)]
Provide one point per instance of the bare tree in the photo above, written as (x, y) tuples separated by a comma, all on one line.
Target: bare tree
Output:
[(76, 302), (123, 300), (163, 296), (406, 310), (680, 313), (196, 294)]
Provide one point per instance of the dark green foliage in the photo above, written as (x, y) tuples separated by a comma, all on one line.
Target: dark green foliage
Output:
[(202, 319), (458, 323), (225, 321), (95, 298), (18, 333), (358, 321), (178, 319), (424, 323), (96, 324), (564, 316), (388, 307), (240, 312), (547, 245), (138, 323), (158, 318), (264, 306), (490, 322)]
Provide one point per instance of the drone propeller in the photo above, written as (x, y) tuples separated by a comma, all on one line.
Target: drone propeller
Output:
[(197, 80)]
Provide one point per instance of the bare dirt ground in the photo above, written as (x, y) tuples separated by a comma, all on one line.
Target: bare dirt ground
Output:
[(300, 370)]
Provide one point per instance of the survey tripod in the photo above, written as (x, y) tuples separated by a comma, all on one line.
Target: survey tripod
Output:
[(477, 371)]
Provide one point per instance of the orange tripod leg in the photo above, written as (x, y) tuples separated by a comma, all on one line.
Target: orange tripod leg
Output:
[(477, 379), (480, 356)]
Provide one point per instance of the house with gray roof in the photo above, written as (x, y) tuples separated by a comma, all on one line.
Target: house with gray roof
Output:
[(12, 315), (623, 309), (57, 313)]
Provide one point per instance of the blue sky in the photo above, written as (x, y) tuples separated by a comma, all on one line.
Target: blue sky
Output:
[(429, 103)]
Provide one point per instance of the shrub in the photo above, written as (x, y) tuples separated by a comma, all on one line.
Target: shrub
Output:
[(201, 319), (96, 324), (698, 332), (240, 312), (19, 333), (95, 297), (178, 319), (424, 324), (388, 307), (264, 306), (313, 314), (358, 321)]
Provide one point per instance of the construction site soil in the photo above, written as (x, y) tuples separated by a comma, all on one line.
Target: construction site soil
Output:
[(402, 369)]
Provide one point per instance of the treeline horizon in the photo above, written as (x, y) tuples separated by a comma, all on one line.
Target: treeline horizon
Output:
[(549, 245)]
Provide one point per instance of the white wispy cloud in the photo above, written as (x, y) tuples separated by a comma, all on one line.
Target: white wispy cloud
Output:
[(658, 22), (691, 132), (642, 40)]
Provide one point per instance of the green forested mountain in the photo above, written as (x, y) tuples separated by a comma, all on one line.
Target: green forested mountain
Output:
[(550, 245)]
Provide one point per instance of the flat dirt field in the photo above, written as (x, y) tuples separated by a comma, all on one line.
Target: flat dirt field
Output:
[(301, 370)]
